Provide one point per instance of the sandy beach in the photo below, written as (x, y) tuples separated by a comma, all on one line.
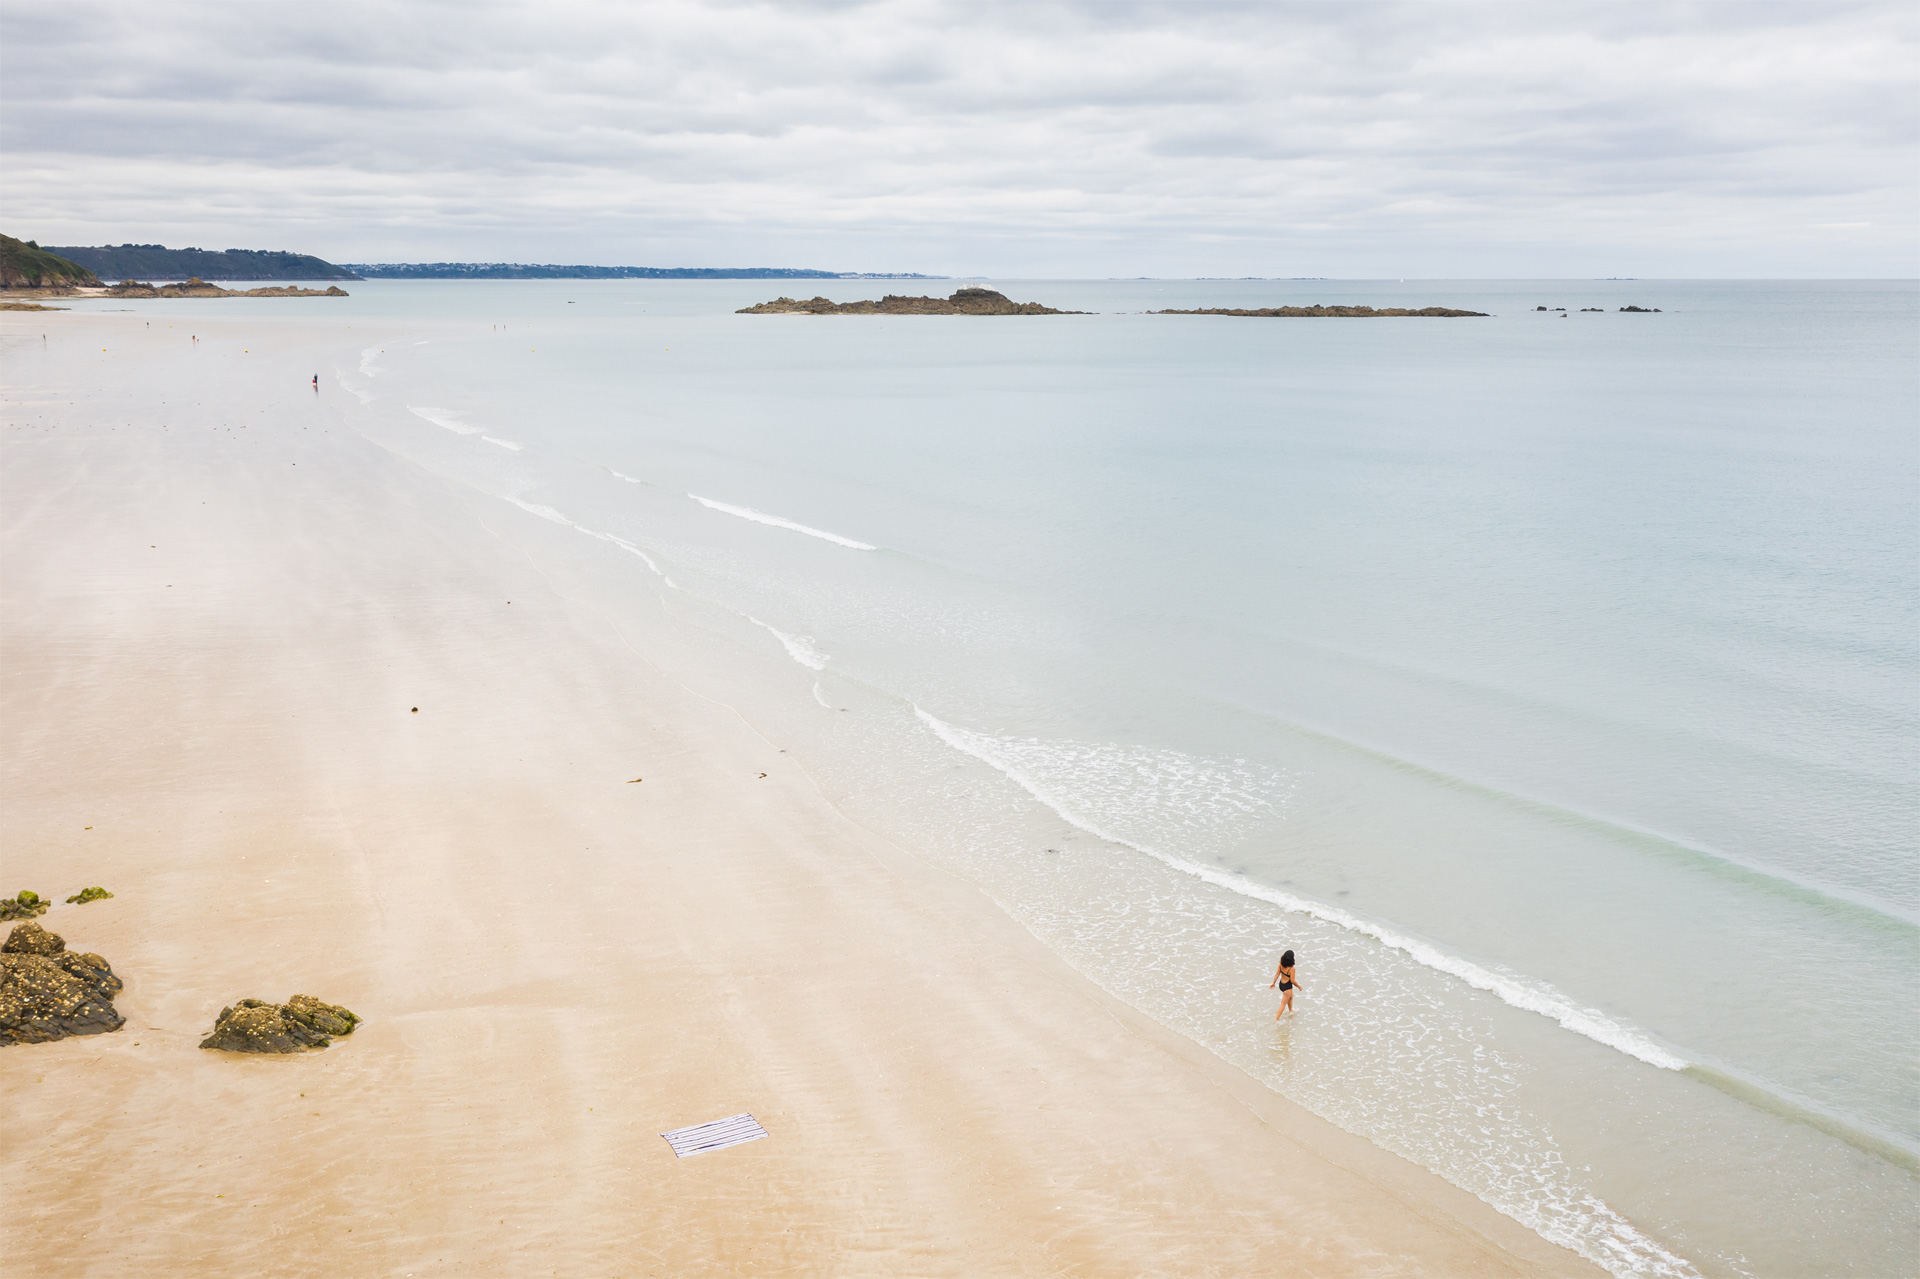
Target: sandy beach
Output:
[(221, 611)]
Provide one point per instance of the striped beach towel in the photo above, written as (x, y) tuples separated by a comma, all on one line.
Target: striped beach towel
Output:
[(717, 1135)]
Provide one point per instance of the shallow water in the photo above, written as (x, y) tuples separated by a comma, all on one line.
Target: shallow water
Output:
[(1547, 683)]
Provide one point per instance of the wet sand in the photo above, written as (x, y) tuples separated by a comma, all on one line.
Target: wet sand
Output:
[(220, 609)]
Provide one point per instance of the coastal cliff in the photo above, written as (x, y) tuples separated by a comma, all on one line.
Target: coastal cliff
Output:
[(25, 265), (1315, 312), (964, 302)]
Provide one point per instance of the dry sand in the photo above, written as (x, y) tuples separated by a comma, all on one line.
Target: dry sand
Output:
[(219, 608)]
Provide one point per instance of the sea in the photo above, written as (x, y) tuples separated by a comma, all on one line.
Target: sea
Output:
[(1548, 682)]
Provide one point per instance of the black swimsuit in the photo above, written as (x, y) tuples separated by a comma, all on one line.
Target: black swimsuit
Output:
[(1285, 985)]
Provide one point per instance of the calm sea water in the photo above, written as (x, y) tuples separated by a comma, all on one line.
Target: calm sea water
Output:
[(1547, 682)]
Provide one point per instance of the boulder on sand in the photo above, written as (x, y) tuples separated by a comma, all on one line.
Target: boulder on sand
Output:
[(256, 1026), (48, 992)]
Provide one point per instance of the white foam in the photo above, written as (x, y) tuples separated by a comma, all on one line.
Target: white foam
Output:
[(800, 648), (505, 444), (761, 517), (444, 418), (1004, 755), (367, 367), (618, 476), (548, 513)]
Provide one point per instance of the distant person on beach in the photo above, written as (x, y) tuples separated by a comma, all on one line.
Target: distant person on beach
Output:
[(1283, 978), (316, 381)]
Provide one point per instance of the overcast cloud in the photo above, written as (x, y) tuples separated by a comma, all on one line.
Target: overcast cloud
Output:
[(1525, 138)]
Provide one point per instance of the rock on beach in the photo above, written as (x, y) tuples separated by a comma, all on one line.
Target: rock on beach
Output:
[(256, 1026), (48, 992)]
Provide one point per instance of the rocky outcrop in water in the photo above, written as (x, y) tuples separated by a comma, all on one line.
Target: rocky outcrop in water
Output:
[(1316, 312), (198, 288), (1642, 310), (963, 302), (25, 906), (48, 992), (256, 1026)]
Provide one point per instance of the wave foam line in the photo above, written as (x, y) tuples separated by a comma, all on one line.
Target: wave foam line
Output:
[(800, 648), (505, 444), (548, 513), (444, 418), (367, 366), (1534, 997), (761, 517)]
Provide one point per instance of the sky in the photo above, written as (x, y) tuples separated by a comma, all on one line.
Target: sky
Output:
[(1346, 138)]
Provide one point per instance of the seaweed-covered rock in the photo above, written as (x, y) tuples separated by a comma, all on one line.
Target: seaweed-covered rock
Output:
[(25, 906), (48, 992), (88, 895), (967, 301), (256, 1026)]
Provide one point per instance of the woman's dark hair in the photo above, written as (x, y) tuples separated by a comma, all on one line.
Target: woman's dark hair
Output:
[(1286, 960)]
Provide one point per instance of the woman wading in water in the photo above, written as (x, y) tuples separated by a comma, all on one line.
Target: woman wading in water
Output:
[(1283, 978)]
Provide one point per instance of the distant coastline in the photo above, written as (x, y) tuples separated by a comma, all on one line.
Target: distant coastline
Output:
[(526, 271)]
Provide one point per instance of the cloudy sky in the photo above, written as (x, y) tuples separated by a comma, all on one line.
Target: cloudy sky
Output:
[(1346, 138)]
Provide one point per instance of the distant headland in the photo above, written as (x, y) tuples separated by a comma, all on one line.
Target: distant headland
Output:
[(158, 262), (971, 301)]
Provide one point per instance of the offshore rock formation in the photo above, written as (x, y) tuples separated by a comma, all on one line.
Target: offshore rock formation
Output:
[(48, 992), (198, 288), (964, 302), (256, 1026), (1361, 312), (25, 906)]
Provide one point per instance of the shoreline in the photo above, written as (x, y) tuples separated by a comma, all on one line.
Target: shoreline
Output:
[(215, 634)]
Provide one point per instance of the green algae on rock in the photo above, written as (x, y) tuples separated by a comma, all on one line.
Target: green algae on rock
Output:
[(256, 1026), (88, 895), (48, 992), (25, 906)]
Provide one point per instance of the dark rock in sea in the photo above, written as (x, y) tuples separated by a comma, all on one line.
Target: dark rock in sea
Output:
[(25, 906), (1593, 308), (48, 992), (256, 1026), (1292, 312), (88, 895), (1539, 308), (1643, 310), (969, 301), (198, 288)]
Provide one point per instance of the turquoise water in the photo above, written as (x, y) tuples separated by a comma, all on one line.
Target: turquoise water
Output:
[(1549, 684)]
